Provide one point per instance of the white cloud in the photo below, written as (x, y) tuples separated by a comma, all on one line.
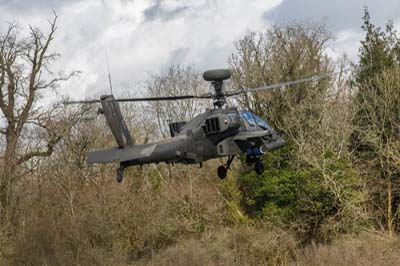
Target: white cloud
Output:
[(346, 42), (204, 34), (142, 36)]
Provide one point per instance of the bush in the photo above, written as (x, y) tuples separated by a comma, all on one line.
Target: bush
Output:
[(316, 203)]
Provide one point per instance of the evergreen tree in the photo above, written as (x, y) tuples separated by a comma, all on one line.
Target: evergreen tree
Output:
[(377, 117), (380, 50)]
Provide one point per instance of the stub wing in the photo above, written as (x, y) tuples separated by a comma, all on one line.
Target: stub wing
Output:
[(246, 135), (128, 153), (262, 138)]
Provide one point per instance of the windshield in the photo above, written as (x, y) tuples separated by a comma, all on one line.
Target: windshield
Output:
[(254, 120)]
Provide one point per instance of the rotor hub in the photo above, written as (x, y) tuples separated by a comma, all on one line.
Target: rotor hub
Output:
[(217, 77)]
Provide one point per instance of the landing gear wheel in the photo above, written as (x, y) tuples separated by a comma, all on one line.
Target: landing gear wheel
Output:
[(223, 169), (222, 172), (120, 174), (259, 167), (250, 159)]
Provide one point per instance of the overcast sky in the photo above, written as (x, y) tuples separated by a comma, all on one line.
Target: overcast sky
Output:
[(142, 36)]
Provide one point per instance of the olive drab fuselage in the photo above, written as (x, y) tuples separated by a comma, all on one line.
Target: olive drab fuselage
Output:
[(215, 133)]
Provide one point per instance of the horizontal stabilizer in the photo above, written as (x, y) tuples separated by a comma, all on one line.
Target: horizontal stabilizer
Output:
[(104, 155), (129, 153)]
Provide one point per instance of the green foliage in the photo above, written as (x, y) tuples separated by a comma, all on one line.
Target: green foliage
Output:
[(305, 198), (232, 195), (379, 50), (275, 190), (375, 137)]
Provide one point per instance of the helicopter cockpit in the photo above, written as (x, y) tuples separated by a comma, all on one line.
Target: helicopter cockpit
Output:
[(254, 120), (231, 120)]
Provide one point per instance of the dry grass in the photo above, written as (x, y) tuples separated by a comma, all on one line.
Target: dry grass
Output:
[(152, 219), (366, 250), (229, 246), (252, 246)]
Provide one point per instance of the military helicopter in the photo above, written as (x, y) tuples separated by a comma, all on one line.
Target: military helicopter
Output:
[(219, 132)]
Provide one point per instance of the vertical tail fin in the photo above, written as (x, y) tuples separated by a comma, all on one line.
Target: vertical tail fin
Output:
[(112, 112)]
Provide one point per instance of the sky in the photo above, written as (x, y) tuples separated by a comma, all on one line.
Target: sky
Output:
[(141, 37)]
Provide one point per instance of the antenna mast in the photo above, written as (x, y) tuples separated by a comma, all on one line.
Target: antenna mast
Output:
[(109, 75)]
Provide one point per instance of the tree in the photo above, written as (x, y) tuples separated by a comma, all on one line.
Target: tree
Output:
[(376, 120), (381, 136), (311, 181), (178, 80), (25, 77), (283, 53), (379, 51)]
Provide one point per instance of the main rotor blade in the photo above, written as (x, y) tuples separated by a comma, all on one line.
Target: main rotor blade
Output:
[(207, 95), (146, 99), (161, 98), (82, 102), (278, 85)]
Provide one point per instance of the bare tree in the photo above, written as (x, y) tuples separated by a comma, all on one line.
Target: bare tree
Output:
[(285, 52), (25, 77), (178, 80)]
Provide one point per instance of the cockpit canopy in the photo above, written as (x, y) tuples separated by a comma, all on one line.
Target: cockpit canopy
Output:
[(254, 120), (225, 120)]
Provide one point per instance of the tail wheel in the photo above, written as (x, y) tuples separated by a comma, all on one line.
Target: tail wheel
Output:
[(222, 172), (259, 167)]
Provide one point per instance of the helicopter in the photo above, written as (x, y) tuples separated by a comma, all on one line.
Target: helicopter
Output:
[(218, 132)]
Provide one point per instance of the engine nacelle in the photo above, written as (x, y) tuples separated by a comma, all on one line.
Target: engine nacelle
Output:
[(176, 127), (220, 123)]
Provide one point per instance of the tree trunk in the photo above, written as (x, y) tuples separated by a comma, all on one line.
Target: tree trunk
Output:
[(8, 174), (389, 207)]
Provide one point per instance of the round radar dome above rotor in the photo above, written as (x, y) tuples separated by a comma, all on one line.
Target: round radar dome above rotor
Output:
[(217, 75)]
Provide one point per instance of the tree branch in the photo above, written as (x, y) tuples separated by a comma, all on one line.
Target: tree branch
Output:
[(39, 54), (6, 59), (39, 153)]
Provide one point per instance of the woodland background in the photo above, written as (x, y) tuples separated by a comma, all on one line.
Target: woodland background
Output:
[(330, 197)]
